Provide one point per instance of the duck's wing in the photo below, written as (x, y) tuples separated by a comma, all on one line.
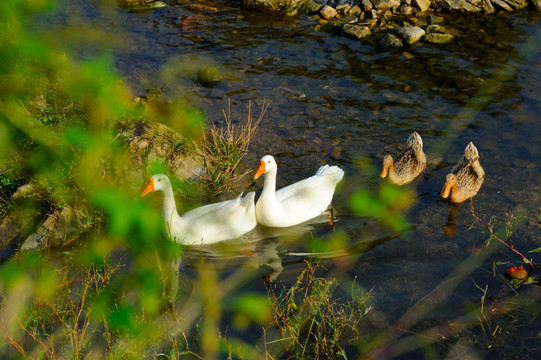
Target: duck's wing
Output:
[(313, 188)]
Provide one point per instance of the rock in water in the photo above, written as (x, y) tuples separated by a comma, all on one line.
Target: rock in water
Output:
[(209, 76), (436, 38), (537, 4), (410, 34), (391, 41), (328, 12), (357, 31)]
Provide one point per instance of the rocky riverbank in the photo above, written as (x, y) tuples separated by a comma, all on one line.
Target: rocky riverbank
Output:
[(394, 23)]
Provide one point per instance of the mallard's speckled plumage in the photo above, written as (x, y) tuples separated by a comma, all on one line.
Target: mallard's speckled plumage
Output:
[(408, 165), (466, 177)]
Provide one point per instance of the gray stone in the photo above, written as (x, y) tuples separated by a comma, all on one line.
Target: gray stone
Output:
[(367, 5), (435, 20), (391, 41), (410, 34), (328, 12), (310, 7), (383, 5), (405, 9), (537, 4), (423, 5), (54, 232), (433, 29), (282, 6), (209, 76), (487, 7), (355, 10), (517, 4), (459, 5), (502, 4), (351, 19), (24, 192), (357, 31), (436, 38)]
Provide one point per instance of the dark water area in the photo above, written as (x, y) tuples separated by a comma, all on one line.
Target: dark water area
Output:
[(347, 102)]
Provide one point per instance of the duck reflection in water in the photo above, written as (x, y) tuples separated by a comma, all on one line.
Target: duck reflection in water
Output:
[(449, 229)]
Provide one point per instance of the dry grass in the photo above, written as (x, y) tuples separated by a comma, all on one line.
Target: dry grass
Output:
[(222, 148)]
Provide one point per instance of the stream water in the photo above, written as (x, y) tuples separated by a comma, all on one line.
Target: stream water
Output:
[(347, 102)]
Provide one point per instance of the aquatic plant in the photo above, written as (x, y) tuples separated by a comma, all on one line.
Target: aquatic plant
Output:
[(222, 148), (311, 322)]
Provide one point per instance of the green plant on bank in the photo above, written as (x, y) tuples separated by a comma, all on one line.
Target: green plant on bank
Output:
[(222, 148), (312, 323)]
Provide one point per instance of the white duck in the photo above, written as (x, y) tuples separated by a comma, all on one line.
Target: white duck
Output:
[(206, 224), (296, 203)]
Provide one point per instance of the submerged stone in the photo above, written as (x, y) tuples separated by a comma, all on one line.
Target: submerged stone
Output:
[(391, 41), (435, 20), (437, 38), (209, 76)]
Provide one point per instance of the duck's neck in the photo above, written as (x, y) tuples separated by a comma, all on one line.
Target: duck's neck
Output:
[(269, 186), (391, 173), (169, 210)]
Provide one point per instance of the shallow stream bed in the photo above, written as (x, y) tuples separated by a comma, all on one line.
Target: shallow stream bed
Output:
[(347, 102)]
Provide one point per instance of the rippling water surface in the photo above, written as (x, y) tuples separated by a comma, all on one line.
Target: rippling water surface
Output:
[(347, 102)]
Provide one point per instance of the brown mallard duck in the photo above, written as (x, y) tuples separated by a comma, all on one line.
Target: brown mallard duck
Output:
[(408, 165), (466, 177)]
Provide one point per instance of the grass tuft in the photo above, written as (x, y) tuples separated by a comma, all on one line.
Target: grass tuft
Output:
[(222, 148)]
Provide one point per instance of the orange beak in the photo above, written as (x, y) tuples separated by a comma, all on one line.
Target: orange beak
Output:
[(260, 170), (446, 190), (149, 188)]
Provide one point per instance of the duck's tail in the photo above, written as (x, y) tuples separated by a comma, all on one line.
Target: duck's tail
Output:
[(333, 171)]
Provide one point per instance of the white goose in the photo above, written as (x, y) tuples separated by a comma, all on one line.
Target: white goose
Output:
[(206, 224), (296, 203)]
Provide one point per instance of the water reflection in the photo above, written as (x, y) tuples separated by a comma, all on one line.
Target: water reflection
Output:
[(270, 250)]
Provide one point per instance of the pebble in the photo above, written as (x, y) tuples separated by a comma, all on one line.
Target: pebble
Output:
[(358, 31), (391, 41), (459, 5), (423, 5), (328, 12), (383, 5), (436, 38), (410, 34), (367, 5)]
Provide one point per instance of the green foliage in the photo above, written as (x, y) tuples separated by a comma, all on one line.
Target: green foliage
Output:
[(387, 206), (312, 323)]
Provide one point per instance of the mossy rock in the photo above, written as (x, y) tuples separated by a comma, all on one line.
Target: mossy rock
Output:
[(209, 76), (437, 38)]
